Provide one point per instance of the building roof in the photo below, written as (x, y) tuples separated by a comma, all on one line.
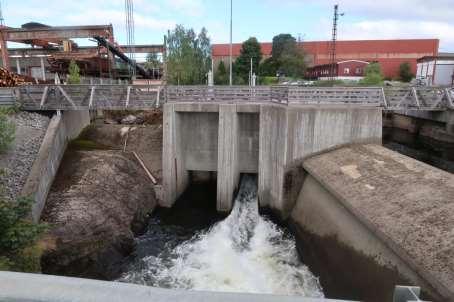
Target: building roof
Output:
[(441, 56), (400, 46)]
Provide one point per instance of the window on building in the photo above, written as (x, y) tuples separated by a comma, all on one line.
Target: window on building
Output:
[(346, 70), (359, 70)]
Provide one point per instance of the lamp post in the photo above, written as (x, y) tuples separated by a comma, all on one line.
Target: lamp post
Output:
[(230, 50)]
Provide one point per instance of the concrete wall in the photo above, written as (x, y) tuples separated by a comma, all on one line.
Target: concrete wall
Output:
[(254, 138), (353, 255), (61, 129), (289, 134)]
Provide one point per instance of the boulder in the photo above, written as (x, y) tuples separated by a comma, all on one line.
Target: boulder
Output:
[(99, 201)]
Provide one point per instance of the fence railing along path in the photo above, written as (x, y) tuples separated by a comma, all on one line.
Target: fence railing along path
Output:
[(134, 97)]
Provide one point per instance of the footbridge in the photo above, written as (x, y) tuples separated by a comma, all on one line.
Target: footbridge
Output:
[(120, 97)]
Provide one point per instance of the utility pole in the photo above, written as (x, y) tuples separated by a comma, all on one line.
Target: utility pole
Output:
[(230, 50), (333, 43), (2, 20)]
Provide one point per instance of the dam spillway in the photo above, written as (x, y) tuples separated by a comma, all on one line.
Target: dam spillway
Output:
[(245, 252)]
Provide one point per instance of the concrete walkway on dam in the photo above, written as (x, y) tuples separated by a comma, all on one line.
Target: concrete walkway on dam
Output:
[(407, 204)]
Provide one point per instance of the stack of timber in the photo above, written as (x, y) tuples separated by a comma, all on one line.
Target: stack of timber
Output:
[(10, 79)]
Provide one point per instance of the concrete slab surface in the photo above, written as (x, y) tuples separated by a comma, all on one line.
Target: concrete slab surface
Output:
[(406, 203)]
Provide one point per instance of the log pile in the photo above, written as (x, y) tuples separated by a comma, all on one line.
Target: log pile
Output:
[(10, 79)]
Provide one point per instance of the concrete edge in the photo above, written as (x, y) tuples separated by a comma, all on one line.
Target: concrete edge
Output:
[(64, 289), (382, 237)]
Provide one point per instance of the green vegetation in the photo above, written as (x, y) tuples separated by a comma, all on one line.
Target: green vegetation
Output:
[(7, 131), (405, 74), (268, 80), (152, 61), (249, 50), (74, 76), (286, 58), (18, 234), (372, 75), (188, 56), (221, 77)]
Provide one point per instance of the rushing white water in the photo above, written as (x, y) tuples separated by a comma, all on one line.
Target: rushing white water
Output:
[(243, 253)]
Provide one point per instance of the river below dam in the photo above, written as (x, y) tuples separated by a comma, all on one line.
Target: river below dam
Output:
[(245, 252)]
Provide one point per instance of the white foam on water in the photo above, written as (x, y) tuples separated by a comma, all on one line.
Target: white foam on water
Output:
[(243, 253)]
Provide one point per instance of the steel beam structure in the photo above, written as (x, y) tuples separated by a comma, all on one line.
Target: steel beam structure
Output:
[(57, 33)]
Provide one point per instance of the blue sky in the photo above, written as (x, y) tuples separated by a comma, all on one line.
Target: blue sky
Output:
[(310, 19)]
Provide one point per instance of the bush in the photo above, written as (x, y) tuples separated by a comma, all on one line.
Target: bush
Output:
[(7, 131), (74, 76), (268, 80), (373, 75), (18, 236), (405, 74)]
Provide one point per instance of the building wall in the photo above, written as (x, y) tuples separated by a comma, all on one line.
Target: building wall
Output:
[(438, 72), (389, 53)]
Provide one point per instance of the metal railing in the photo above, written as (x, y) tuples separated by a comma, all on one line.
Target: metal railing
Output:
[(134, 97)]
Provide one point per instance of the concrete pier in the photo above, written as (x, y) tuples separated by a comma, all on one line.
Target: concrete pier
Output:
[(254, 138), (228, 157)]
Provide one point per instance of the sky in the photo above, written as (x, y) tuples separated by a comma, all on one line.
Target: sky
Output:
[(263, 19)]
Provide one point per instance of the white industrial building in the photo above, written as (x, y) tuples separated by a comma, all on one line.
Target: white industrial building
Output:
[(436, 71)]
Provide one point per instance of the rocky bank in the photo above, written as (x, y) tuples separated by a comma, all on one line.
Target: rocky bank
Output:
[(99, 201)]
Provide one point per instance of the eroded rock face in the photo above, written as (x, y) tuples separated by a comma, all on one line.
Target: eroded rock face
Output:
[(98, 201)]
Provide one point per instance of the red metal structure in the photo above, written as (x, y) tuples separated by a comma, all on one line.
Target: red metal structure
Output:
[(389, 53)]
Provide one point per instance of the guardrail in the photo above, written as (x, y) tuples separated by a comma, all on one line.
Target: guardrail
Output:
[(60, 289), (136, 97)]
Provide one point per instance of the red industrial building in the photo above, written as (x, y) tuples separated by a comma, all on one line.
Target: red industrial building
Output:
[(343, 70), (389, 53)]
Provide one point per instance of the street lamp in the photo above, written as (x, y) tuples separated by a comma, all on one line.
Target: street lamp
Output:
[(230, 50)]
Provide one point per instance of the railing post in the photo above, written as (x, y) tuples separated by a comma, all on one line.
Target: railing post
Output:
[(128, 94), (385, 102), (157, 96), (92, 94), (416, 97), (449, 98), (44, 97)]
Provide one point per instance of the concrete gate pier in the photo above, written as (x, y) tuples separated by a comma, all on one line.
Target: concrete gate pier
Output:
[(235, 138)]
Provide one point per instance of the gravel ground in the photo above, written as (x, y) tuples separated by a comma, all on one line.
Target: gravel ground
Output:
[(17, 162)]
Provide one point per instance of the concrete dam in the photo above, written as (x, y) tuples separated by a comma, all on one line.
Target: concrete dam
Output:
[(312, 205), (264, 139)]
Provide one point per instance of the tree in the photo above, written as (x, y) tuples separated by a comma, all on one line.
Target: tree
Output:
[(188, 56), (74, 76), (249, 50), (268, 67), (152, 61), (405, 74), (221, 77), (372, 75), (286, 58)]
